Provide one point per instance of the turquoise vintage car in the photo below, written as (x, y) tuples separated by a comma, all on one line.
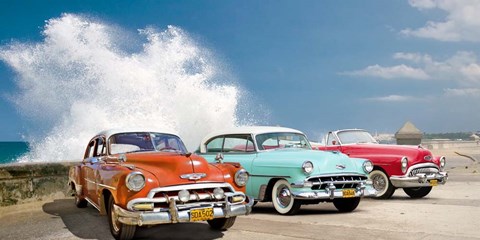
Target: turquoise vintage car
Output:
[(285, 170)]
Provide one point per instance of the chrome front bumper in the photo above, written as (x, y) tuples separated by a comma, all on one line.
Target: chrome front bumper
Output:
[(175, 214), (419, 180), (303, 190)]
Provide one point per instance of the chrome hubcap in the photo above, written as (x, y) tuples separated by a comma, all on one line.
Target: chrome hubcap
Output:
[(284, 197), (379, 182)]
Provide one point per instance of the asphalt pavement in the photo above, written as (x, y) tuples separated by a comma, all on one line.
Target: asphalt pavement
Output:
[(451, 211)]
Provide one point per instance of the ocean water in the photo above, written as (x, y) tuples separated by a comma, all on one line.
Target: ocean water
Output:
[(10, 151), (87, 75)]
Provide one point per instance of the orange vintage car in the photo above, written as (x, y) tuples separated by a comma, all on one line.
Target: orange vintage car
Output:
[(140, 178)]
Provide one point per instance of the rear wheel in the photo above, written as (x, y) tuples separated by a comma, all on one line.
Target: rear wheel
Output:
[(382, 184), (346, 204), (222, 224), (283, 200), (417, 192), (119, 230)]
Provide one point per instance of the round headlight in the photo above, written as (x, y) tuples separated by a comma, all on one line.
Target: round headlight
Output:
[(184, 195), (218, 193), (404, 163), (367, 166), (135, 181), (443, 161), (307, 167), (241, 177)]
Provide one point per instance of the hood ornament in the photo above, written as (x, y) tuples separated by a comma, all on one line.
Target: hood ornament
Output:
[(340, 166), (193, 176)]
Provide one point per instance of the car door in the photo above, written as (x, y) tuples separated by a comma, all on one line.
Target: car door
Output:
[(234, 148), (91, 165), (87, 172)]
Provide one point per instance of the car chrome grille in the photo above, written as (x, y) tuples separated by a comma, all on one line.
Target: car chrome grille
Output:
[(426, 170), (340, 182)]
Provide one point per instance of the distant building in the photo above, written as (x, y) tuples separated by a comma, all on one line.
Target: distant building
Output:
[(408, 135)]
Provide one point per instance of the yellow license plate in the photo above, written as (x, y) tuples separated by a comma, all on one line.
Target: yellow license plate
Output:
[(348, 193), (433, 182), (201, 214)]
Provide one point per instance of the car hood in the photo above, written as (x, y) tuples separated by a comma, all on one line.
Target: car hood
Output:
[(324, 162), (173, 168), (415, 154)]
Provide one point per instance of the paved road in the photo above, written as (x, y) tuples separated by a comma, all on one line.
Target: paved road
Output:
[(451, 211)]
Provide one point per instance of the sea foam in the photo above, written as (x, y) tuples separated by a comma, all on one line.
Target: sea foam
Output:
[(86, 76)]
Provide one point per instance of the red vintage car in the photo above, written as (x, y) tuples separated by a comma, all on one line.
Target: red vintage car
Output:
[(140, 178), (412, 168)]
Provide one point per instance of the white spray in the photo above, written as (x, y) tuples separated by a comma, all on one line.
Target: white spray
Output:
[(82, 79)]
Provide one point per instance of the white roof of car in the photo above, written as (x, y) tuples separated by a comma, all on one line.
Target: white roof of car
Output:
[(110, 132), (249, 130)]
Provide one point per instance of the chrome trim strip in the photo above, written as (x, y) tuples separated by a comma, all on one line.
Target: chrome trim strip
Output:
[(272, 176), (194, 186), (106, 186), (92, 203), (338, 175)]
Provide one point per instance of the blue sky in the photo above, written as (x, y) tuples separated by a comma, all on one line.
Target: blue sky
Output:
[(314, 65)]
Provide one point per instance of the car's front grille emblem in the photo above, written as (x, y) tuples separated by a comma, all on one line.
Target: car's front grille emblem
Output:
[(193, 176), (340, 166)]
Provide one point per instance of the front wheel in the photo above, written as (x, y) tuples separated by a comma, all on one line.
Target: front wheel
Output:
[(382, 184), (346, 204), (283, 200), (119, 230), (417, 192), (222, 224)]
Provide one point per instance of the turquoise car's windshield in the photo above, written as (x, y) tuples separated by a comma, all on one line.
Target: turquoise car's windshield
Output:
[(268, 141), (349, 137), (145, 141)]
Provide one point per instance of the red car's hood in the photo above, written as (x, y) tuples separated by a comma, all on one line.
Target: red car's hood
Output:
[(415, 154), (168, 168)]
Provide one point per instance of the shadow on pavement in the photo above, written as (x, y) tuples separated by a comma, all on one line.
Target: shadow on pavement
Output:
[(86, 223), (309, 209)]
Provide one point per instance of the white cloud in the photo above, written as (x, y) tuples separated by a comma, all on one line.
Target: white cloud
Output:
[(462, 68), (399, 71), (474, 92), (461, 23), (393, 98), (414, 57)]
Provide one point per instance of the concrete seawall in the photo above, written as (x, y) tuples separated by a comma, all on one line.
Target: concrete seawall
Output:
[(21, 183)]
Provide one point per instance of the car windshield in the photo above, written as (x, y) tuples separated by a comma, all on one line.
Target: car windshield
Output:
[(349, 137), (145, 141), (281, 140)]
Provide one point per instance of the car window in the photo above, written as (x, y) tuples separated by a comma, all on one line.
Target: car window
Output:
[(348, 137), (331, 140), (90, 149), (145, 141), (238, 143), (100, 149), (215, 145), (165, 142), (268, 141)]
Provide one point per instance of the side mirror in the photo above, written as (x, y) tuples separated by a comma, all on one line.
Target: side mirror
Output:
[(334, 142), (219, 158)]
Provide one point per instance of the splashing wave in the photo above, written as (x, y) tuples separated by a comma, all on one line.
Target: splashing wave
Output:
[(80, 80)]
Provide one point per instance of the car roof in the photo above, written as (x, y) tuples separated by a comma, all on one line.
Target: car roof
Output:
[(250, 130), (110, 132)]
